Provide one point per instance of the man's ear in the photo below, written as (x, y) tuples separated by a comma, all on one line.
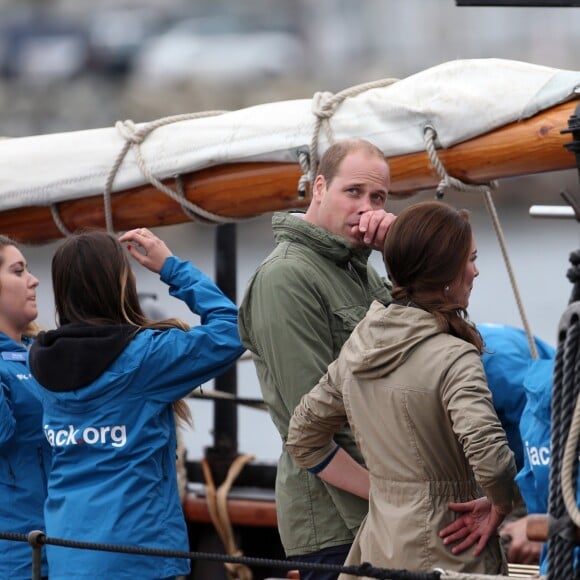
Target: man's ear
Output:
[(318, 188)]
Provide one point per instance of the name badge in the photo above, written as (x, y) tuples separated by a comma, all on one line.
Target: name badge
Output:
[(19, 356)]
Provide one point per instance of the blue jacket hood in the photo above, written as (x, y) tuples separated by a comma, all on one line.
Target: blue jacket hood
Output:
[(74, 355)]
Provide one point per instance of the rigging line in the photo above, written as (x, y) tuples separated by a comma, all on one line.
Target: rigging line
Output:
[(366, 570), (447, 181)]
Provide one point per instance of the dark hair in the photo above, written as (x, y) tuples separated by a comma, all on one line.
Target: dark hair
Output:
[(94, 284), (335, 154), (426, 249), (32, 329)]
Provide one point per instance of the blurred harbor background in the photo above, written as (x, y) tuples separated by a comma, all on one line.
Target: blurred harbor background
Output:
[(67, 65)]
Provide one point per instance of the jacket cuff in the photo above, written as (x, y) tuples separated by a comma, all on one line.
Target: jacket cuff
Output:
[(318, 468)]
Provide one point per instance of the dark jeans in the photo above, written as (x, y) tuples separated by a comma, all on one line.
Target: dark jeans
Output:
[(335, 555)]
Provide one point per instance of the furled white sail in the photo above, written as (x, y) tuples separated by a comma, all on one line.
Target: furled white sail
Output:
[(460, 99)]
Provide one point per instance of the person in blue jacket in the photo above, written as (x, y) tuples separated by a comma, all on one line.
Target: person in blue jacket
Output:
[(111, 382), (535, 426), (506, 360), (24, 450), (521, 388)]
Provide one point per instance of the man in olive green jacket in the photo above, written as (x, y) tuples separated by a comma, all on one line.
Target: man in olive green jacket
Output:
[(298, 310)]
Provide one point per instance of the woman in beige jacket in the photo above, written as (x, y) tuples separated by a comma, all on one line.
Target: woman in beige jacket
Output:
[(411, 384)]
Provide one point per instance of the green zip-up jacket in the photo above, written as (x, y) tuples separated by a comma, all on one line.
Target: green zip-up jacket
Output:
[(298, 310)]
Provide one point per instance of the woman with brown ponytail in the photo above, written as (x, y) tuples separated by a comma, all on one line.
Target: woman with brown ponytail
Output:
[(412, 386), (111, 382)]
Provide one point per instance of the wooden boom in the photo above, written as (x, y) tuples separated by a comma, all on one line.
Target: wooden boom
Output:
[(535, 145)]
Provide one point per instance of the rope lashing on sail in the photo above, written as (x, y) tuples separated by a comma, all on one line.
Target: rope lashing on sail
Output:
[(562, 509), (324, 105), (133, 138), (448, 181)]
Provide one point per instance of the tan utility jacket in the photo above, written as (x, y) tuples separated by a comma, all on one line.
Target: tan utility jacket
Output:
[(418, 403)]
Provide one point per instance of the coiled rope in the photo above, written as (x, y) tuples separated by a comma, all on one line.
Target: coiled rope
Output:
[(562, 508)]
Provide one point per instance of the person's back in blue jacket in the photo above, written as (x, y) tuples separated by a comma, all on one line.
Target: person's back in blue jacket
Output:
[(522, 394), (24, 451), (506, 360), (112, 382)]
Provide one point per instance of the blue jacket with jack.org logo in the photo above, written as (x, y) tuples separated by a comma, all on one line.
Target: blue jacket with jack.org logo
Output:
[(107, 393), (24, 461)]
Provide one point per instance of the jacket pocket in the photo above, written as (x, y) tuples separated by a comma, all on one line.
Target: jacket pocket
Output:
[(344, 321)]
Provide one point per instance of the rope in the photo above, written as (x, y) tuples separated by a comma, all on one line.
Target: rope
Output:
[(58, 221), (447, 181), (324, 105), (564, 394), (218, 511), (133, 138), (37, 539), (503, 246), (573, 274), (570, 462), (193, 211)]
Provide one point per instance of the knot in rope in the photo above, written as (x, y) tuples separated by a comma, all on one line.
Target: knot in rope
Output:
[(130, 133), (323, 105)]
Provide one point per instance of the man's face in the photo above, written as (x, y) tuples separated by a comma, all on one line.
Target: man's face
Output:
[(360, 185)]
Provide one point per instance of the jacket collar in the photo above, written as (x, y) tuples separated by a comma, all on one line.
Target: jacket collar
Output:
[(292, 227)]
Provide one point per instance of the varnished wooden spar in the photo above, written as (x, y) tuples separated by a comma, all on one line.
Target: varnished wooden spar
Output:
[(242, 512), (535, 145)]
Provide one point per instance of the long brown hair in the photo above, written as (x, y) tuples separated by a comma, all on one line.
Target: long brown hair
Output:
[(426, 249), (94, 284), (32, 328)]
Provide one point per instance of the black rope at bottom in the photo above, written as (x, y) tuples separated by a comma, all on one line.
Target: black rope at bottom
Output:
[(365, 569)]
